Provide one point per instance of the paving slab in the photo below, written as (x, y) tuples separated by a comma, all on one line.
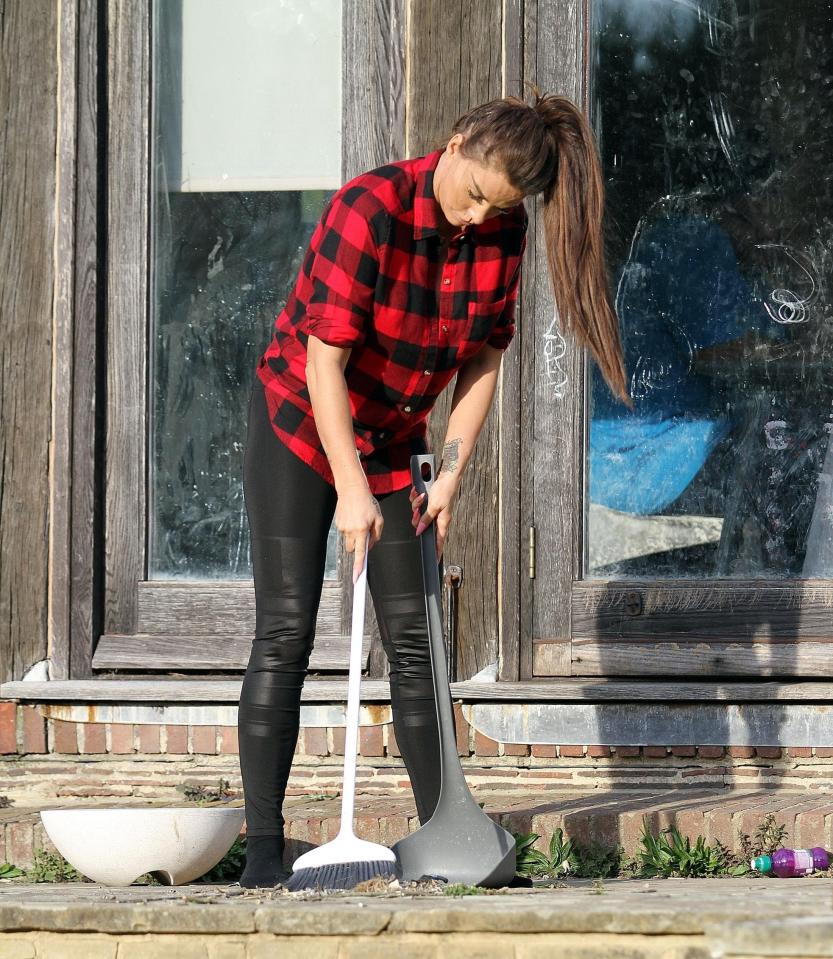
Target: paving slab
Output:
[(677, 918), (787, 936)]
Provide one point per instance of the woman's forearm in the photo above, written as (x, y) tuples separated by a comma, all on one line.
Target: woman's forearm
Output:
[(333, 419), (470, 404)]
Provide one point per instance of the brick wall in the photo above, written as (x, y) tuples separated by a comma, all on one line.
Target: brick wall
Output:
[(50, 759)]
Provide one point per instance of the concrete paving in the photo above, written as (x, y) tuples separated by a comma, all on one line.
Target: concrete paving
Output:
[(685, 905), (725, 908)]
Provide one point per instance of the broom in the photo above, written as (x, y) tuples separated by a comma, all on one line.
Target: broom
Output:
[(346, 860)]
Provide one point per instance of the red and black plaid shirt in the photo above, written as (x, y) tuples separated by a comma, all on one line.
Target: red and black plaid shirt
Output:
[(372, 280)]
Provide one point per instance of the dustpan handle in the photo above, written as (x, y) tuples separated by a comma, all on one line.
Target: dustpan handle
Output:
[(422, 476)]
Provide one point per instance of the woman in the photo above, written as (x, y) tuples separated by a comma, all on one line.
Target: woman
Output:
[(410, 277)]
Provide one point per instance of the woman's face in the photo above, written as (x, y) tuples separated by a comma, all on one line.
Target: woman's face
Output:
[(469, 192)]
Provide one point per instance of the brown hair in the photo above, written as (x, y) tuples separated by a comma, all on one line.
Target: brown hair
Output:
[(548, 147)]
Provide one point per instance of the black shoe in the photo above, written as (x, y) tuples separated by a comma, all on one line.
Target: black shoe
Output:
[(264, 862)]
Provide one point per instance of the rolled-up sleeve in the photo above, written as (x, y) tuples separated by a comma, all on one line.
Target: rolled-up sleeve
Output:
[(504, 329), (343, 273)]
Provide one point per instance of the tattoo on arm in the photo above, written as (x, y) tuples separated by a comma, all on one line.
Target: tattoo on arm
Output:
[(451, 456)]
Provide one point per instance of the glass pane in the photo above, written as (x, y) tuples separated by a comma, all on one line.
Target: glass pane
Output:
[(229, 229), (715, 122)]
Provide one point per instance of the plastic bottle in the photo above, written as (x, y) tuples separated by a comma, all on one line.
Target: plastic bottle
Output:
[(789, 863)]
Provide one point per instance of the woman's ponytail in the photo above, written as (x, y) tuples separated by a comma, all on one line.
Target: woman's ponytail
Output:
[(573, 213)]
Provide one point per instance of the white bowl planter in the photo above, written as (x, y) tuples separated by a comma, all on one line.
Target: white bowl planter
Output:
[(116, 846)]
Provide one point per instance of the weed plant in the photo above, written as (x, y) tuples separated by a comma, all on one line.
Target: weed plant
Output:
[(52, 867), (665, 855), (671, 854), (768, 837), (458, 889), (201, 795), (564, 858), (230, 867)]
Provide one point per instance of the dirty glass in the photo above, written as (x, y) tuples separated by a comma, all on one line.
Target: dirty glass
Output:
[(244, 157), (715, 125)]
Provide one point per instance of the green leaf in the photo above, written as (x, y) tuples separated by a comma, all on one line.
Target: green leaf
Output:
[(524, 842), (534, 864), (560, 851)]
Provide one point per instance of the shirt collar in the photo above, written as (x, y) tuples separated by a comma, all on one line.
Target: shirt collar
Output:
[(426, 208)]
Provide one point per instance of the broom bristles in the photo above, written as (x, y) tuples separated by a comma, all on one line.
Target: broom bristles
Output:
[(340, 875)]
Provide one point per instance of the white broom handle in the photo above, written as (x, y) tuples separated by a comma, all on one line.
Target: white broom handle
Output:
[(354, 682)]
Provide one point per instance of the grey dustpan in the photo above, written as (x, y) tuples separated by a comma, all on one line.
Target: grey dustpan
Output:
[(459, 843)]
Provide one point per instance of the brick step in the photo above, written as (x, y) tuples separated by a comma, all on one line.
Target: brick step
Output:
[(608, 817)]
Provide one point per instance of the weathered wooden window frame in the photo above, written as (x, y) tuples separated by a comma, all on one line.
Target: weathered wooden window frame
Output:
[(578, 627), (112, 617), (542, 509), (74, 580)]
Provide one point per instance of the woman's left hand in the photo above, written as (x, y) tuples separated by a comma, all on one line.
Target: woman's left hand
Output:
[(441, 498)]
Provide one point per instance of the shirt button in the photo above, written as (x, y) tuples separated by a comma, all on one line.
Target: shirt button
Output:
[(426, 372), (446, 281), (445, 329), (407, 409)]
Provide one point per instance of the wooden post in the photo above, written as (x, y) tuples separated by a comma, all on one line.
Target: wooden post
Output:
[(28, 105), (454, 64)]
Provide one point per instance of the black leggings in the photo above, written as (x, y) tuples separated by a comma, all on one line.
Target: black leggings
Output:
[(290, 509)]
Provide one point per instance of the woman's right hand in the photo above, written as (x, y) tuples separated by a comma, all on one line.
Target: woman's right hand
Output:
[(357, 517)]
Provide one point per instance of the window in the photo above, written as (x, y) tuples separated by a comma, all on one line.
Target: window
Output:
[(692, 536), (245, 151), (210, 203), (714, 119)]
